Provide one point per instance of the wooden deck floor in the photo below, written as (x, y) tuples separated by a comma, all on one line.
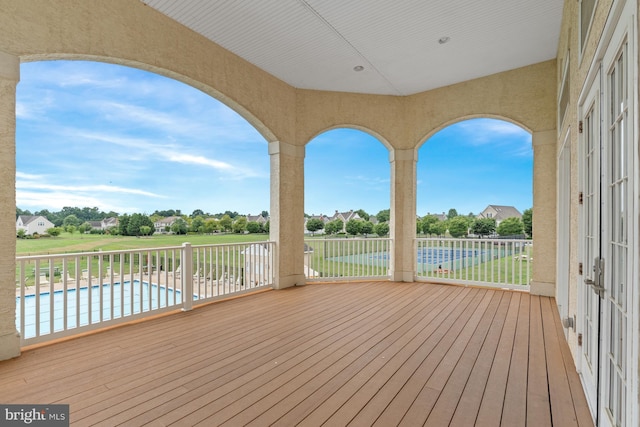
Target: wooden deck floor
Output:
[(362, 354)]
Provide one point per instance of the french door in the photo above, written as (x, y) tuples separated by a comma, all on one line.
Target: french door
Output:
[(607, 233)]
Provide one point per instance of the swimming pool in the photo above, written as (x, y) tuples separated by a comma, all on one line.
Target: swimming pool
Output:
[(128, 299)]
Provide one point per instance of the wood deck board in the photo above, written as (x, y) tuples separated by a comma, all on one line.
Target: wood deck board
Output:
[(469, 403), (514, 409), (292, 393), (334, 390), (346, 343), (578, 397), (538, 399), (391, 376), (212, 376), (335, 353), (562, 408), (423, 381)]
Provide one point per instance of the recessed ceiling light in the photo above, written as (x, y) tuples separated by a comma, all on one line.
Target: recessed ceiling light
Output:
[(443, 40), (358, 68)]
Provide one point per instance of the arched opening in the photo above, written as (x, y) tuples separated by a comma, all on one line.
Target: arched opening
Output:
[(126, 162), (472, 164), (347, 195), (124, 140), (346, 170), (475, 181)]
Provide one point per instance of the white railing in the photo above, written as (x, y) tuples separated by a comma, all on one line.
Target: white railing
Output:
[(346, 259), (67, 294), (503, 263), (223, 270)]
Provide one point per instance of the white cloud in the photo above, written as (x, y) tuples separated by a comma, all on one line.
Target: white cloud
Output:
[(199, 160), (56, 200), (70, 189), (29, 176)]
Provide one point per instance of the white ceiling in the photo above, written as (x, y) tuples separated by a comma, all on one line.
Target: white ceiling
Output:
[(315, 44)]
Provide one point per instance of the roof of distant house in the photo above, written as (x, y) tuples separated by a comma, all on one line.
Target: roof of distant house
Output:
[(26, 219), (503, 212)]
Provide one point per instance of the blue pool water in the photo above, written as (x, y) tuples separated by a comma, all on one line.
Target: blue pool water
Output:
[(127, 299), (429, 256)]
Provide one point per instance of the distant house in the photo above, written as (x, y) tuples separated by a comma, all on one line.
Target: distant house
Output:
[(163, 225), (345, 217), (441, 217), (96, 225), (110, 222), (104, 224), (257, 218), (33, 224), (499, 213)]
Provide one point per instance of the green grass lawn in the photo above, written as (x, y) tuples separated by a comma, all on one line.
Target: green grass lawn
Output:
[(71, 243)]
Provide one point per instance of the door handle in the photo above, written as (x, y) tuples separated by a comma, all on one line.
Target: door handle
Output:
[(596, 288)]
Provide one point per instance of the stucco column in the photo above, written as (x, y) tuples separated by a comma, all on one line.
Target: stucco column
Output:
[(403, 214), (286, 226), (544, 213), (9, 77)]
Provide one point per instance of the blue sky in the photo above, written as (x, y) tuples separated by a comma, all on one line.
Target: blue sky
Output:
[(100, 135)]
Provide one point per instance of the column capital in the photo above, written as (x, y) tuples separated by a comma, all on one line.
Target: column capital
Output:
[(9, 67), (279, 147), (408, 154)]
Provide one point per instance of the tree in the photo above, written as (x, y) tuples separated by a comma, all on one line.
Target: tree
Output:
[(145, 230), (353, 227), (452, 213), (123, 223), (510, 227), (136, 221), (334, 226), (85, 227), (197, 212), (363, 214), (366, 227), (381, 229), (165, 214), (211, 225), (226, 223), (384, 215), (71, 220), (458, 226), (70, 229), (425, 224), (21, 233), (21, 212), (53, 231), (438, 228), (197, 224), (179, 226), (254, 227), (315, 224), (240, 225), (264, 214), (484, 226), (527, 221)]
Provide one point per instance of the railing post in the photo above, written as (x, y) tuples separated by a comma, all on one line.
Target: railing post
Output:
[(186, 278)]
